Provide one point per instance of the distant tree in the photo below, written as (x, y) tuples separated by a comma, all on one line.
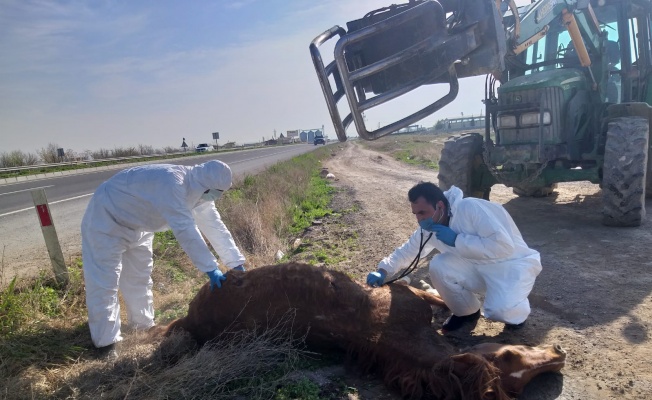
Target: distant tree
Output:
[(145, 150), (125, 152), (101, 154), (30, 159), (70, 155), (49, 154), (17, 158)]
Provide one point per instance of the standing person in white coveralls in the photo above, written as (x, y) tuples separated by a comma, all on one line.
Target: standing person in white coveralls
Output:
[(117, 232), (481, 252)]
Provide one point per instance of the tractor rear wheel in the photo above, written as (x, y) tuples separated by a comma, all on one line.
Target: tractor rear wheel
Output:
[(460, 155), (648, 179), (624, 172)]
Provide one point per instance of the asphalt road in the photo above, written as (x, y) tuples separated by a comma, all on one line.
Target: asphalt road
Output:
[(22, 247)]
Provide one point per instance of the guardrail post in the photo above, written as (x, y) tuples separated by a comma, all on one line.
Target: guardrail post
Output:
[(50, 235)]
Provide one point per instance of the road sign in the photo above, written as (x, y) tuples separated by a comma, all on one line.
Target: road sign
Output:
[(216, 135)]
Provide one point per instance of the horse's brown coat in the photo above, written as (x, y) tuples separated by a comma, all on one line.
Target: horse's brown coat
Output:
[(387, 328)]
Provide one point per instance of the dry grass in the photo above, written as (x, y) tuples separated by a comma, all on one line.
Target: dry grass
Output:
[(45, 347), (251, 364), (264, 210), (413, 149)]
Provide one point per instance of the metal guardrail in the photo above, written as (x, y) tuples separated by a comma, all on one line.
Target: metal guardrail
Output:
[(74, 163), (108, 160)]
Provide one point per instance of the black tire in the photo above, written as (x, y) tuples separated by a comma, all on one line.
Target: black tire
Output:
[(539, 191), (456, 163), (624, 172)]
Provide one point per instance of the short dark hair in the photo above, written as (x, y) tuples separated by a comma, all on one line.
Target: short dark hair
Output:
[(429, 191)]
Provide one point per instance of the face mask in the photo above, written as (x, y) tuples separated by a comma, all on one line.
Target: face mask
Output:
[(428, 224), (212, 195)]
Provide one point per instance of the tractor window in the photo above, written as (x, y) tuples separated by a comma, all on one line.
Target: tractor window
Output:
[(565, 48), (549, 51), (607, 16), (633, 37), (535, 54)]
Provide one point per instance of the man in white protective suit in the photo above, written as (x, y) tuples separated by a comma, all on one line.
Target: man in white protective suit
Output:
[(117, 232), (481, 250)]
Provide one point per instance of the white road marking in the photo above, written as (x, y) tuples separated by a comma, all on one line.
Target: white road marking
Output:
[(26, 190), (52, 202)]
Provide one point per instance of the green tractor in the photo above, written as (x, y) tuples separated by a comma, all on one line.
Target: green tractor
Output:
[(567, 91)]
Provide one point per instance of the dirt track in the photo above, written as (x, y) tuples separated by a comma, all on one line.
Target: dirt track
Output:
[(593, 296)]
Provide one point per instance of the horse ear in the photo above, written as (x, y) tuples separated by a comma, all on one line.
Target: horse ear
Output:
[(484, 386), (462, 363), (464, 360)]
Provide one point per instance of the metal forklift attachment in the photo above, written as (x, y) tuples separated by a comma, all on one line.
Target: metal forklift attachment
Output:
[(394, 50)]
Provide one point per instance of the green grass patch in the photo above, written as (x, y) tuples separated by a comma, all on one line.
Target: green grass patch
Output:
[(24, 303), (313, 206), (409, 157), (173, 271), (303, 389), (41, 322), (168, 315)]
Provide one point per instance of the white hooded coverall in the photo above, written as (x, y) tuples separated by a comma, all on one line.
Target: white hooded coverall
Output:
[(117, 232), (490, 258)]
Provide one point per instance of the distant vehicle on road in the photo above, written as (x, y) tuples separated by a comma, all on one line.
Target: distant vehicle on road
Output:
[(319, 140), (202, 147)]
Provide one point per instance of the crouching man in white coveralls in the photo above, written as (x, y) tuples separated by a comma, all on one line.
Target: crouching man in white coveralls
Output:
[(481, 252), (117, 232)]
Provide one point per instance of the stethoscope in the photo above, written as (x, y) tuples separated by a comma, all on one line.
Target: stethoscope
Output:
[(413, 265)]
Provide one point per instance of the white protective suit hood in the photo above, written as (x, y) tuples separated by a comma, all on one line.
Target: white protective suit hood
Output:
[(150, 198), (454, 195), (210, 175)]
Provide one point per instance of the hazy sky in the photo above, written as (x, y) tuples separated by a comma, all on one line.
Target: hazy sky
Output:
[(87, 75)]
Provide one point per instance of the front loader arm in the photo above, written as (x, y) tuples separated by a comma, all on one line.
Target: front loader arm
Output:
[(396, 49)]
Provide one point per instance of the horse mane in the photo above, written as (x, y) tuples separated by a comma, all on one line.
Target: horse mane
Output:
[(465, 377)]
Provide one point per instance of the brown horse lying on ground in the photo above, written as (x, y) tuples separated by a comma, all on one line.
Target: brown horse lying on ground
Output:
[(387, 329)]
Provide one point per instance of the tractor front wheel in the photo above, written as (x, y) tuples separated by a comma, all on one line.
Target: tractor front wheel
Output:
[(460, 156)]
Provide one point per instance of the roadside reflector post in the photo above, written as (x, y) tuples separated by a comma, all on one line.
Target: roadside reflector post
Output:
[(50, 235)]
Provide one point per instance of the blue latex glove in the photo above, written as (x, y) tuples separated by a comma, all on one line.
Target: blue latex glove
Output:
[(445, 234), (216, 278), (376, 278), (240, 268)]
